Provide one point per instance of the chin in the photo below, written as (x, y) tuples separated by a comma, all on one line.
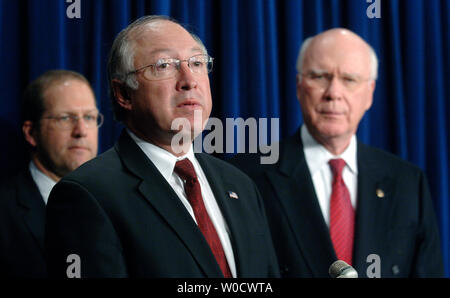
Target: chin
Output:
[(188, 133), (332, 131), (76, 163)]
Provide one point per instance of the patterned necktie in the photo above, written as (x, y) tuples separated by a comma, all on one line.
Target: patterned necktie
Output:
[(185, 170), (342, 215)]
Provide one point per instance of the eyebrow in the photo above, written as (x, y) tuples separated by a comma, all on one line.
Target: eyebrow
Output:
[(316, 71), (168, 50), (76, 112), (321, 71)]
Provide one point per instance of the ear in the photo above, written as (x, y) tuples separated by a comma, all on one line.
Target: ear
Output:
[(372, 89), (28, 130), (298, 82), (121, 94), (372, 85)]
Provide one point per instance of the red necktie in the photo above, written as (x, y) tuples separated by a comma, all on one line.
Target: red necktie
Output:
[(186, 171), (342, 215)]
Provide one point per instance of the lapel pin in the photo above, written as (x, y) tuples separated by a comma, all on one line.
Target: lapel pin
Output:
[(380, 193), (233, 195)]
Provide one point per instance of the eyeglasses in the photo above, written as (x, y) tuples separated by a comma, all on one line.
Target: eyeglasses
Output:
[(166, 68), (322, 80), (68, 121)]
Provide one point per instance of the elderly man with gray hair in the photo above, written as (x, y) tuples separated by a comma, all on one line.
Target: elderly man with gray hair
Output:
[(145, 208), (331, 197)]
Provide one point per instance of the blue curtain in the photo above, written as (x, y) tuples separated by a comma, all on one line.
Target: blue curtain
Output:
[(255, 44)]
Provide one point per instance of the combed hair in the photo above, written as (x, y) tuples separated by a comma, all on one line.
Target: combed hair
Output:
[(121, 57), (33, 105), (307, 42)]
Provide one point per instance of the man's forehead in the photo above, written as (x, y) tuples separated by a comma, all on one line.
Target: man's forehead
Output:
[(339, 41), (170, 41), (339, 34), (160, 31), (342, 51), (69, 94), (74, 108), (64, 85)]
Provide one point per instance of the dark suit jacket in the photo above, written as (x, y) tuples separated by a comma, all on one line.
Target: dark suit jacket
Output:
[(22, 221), (399, 227), (122, 219)]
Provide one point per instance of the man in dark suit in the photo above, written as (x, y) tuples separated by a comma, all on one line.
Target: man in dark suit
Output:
[(150, 207), (331, 197), (61, 126)]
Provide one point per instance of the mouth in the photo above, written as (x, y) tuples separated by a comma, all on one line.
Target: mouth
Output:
[(331, 113), (78, 148), (189, 104)]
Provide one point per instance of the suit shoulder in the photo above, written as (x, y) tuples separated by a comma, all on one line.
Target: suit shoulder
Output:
[(98, 167), (388, 160), (266, 159), (102, 179), (10, 186), (7, 192), (245, 159), (224, 167)]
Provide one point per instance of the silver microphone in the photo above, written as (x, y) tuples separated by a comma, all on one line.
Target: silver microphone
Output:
[(341, 269)]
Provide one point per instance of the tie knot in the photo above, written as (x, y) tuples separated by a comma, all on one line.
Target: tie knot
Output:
[(185, 170), (336, 166)]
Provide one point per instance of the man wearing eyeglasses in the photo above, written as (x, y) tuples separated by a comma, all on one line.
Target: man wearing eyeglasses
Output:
[(60, 125), (145, 208), (331, 197)]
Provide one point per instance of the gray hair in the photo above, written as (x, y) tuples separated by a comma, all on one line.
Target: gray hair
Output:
[(121, 57), (373, 58)]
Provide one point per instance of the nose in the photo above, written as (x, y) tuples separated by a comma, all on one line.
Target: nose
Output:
[(186, 79), (79, 129), (334, 89)]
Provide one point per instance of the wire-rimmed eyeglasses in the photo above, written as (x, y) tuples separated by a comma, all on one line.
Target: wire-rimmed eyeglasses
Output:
[(322, 80), (68, 121), (166, 68)]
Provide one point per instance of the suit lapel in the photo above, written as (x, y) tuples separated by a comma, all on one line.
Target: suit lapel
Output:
[(294, 189), (156, 191), (33, 206), (231, 210), (374, 207)]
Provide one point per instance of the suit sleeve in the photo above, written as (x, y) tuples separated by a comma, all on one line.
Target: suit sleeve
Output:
[(428, 261), (77, 225)]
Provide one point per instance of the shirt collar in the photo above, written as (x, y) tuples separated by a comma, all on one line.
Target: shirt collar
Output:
[(317, 156), (162, 159), (43, 182)]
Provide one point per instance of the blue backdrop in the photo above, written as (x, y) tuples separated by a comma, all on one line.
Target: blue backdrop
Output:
[(255, 44)]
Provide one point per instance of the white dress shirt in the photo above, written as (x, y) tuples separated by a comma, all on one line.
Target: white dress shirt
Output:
[(43, 182), (317, 158), (165, 163)]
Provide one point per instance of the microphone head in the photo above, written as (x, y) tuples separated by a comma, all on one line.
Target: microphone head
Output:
[(341, 269)]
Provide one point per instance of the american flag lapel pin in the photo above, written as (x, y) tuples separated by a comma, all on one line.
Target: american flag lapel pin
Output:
[(233, 195), (380, 193)]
